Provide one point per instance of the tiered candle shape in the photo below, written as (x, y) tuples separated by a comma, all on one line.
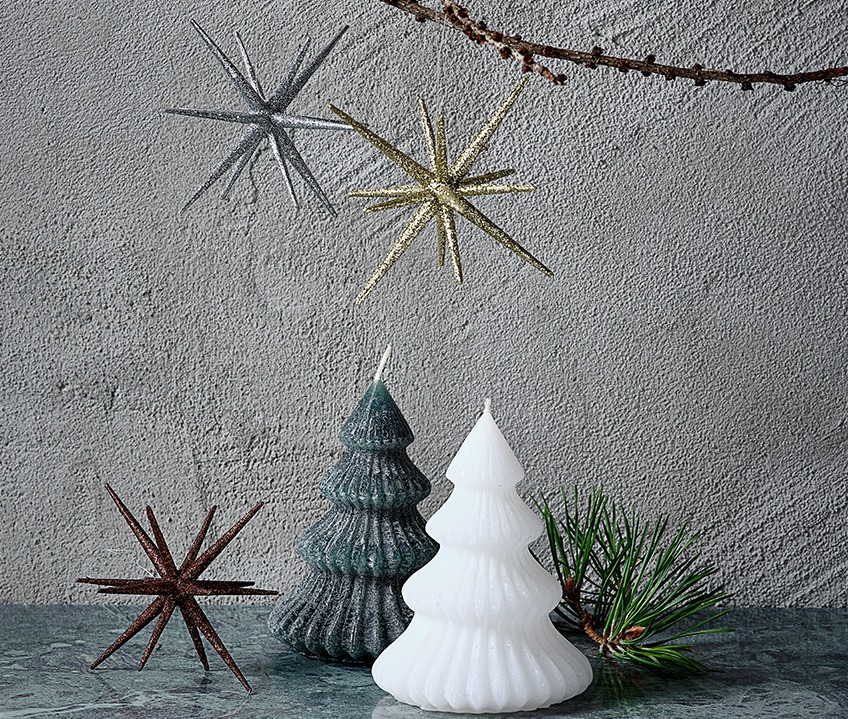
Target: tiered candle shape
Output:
[(481, 639), (349, 606)]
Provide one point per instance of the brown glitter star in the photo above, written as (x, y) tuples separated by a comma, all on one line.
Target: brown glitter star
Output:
[(177, 588)]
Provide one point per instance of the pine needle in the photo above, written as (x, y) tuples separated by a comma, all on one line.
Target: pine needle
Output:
[(629, 583)]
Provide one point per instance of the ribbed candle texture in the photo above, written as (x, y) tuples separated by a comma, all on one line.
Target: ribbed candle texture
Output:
[(481, 639), (349, 606)]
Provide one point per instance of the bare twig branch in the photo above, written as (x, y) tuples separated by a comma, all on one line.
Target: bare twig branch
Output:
[(513, 47)]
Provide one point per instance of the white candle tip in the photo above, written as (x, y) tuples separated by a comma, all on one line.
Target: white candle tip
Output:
[(379, 373), (487, 405)]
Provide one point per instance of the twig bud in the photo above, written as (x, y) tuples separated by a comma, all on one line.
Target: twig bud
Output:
[(651, 60)]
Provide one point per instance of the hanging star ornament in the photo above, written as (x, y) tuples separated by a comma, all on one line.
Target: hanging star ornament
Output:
[(177, 587), (266, 116), (442, 191)]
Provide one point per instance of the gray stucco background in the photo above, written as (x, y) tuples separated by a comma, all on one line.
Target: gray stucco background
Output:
[(690, 352)]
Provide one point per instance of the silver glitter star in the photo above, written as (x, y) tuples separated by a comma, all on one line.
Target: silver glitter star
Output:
[(265, 116)]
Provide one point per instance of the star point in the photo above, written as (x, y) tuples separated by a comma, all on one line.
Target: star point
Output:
[(441, 191)]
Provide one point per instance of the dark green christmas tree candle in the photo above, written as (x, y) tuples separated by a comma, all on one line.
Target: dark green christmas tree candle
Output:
[(349, 607)]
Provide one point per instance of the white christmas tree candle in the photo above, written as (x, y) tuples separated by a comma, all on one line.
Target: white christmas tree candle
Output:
[(481, 639)]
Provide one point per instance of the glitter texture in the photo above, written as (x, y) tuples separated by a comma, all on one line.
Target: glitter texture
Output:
[(442, 191), (265, 117)]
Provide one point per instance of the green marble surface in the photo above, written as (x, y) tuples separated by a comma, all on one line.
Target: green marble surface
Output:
[(778, 663)]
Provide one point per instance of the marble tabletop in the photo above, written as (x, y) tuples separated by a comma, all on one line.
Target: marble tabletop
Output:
[(778, 663)]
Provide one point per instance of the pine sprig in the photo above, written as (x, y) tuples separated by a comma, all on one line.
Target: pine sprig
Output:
[(628, 583)]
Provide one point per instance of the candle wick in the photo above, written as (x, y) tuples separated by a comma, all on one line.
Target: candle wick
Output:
[(379, 373), (487, 405)]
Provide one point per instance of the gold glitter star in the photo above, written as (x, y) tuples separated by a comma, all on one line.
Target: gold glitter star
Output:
[(442, 191)]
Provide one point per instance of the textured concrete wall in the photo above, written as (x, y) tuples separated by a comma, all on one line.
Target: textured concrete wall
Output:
[(690, 352)]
